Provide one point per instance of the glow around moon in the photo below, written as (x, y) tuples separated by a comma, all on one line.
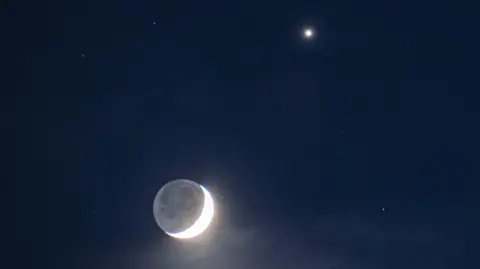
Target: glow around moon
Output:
[(202, 223)]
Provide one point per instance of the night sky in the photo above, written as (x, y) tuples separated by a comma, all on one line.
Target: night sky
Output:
[(356, 149)]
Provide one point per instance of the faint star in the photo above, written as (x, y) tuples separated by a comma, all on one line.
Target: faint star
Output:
[(154, 23), (383, 209), (83, 55)]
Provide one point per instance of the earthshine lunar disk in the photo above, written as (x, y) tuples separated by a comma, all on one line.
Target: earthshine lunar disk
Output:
[(183, 209)]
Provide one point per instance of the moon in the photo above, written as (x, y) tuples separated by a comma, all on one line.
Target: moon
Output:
[(201, 224), (308, 33), (183, 209)]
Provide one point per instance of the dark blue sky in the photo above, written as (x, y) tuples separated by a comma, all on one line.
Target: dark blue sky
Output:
[(306, 141)]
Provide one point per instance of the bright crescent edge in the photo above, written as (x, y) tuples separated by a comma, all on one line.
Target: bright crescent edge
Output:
[(201, 224)]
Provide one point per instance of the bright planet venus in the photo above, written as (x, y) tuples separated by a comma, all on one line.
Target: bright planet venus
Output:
[(183, 208)]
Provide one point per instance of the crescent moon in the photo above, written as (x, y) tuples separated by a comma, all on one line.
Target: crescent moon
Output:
[(201, 224)]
